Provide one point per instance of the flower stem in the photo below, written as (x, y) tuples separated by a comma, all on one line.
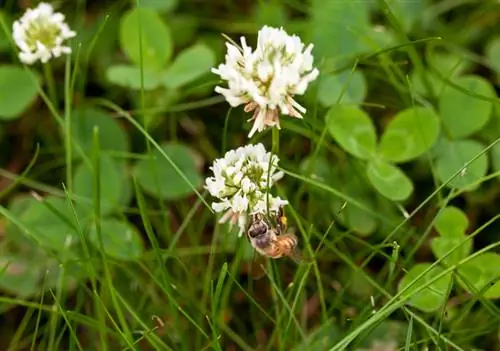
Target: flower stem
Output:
[(67, 126), (274, 151), (276, 140), (51, 86)]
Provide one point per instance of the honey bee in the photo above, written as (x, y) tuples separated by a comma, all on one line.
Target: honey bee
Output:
[(273, 241)]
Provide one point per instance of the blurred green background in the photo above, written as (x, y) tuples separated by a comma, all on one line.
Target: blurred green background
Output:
[(392, 179)]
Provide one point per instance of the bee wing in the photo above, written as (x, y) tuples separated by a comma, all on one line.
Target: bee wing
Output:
[(296, 256), (256, 270)]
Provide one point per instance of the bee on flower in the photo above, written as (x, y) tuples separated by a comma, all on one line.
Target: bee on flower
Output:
[(40, 34), (241, 181), (266, 79)]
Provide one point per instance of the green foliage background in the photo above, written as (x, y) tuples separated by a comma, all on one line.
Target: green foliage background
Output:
[(107, 236)]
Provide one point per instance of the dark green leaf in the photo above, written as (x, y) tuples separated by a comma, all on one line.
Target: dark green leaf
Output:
[(18, 276), (130, 77), (322, 338), (270, 14), (351, 86), (338, 28), (189, 65), (114, 187), (52, 223), (449, 65), (120, 240), (112, 137), (18, 90), (185, 27), (359, 221), (157, 176)]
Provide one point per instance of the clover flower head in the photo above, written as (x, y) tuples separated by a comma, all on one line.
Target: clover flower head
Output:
[(40, 34), (241, 181), (267, 78)]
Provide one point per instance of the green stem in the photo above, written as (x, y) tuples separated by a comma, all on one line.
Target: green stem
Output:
[(274, 151), (67, 126), (51, 86), (276, 140)]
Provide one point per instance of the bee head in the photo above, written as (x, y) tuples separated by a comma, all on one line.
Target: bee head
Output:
[(258, 226)]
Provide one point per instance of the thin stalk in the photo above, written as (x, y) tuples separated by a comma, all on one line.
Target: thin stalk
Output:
[(51, 85), (67, 127)]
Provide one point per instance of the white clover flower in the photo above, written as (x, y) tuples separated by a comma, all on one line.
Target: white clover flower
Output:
[(40, 34), (240, 182), (267, 78)]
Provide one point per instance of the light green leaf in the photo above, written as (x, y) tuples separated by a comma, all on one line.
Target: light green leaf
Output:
[(433, 296), (143, 28), (352, 88), (461, 113), (451, 222), (493, 53), (389, 180), (409, 135), (114, 187), (120, 240), (112, 137), (495, 157), (407, 12), (353, 130), (18, 90), (382, 36), (269, 13), (454, 248), (130, 77), (480, 272), (5, 38), (189, 65), (453, 155), (157, 177), (158, 5)]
